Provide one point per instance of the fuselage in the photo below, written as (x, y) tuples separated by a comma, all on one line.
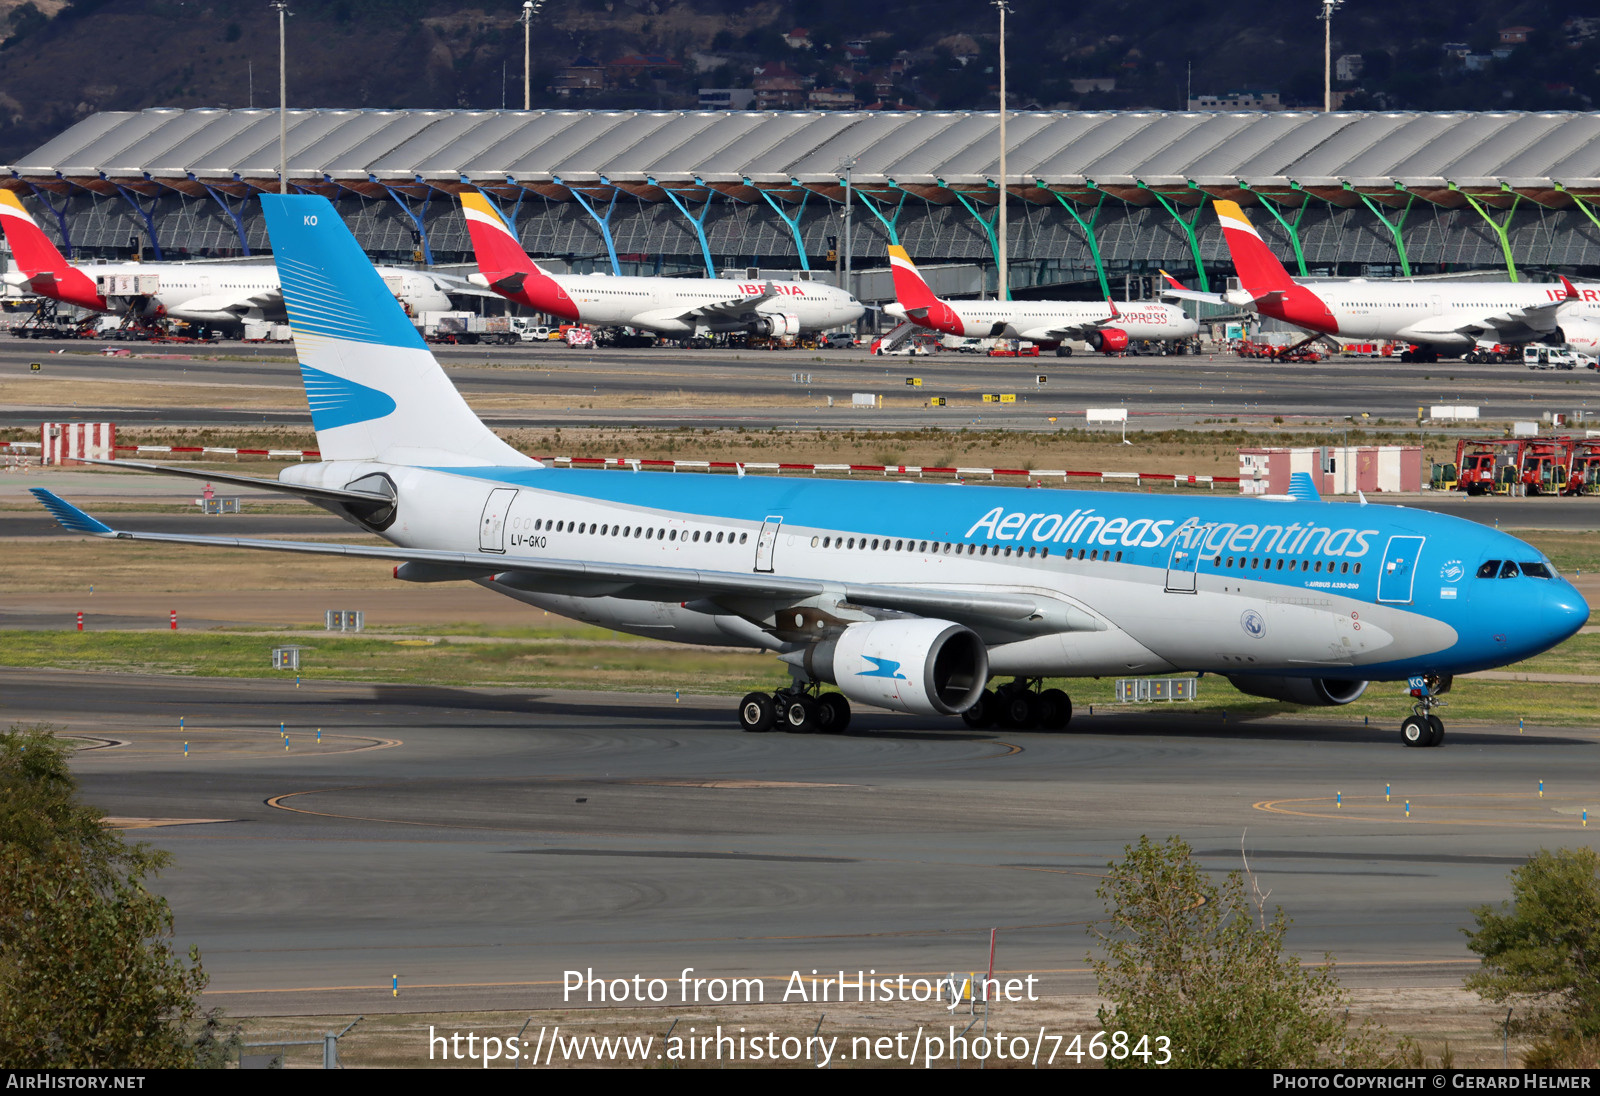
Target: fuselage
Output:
[(212, 292), (1140, 583), (1043, 321), (1441, 314), (669, 305)]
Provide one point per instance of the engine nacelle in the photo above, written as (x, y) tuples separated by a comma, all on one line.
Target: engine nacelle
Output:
[(925, 667), (776, 323), (1108, 340), (1312, 692), (1582, 335)]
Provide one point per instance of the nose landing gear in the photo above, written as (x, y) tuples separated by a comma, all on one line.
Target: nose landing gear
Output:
[(1422, 727)]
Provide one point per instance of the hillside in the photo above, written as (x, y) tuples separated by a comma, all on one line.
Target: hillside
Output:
[(61, 61)]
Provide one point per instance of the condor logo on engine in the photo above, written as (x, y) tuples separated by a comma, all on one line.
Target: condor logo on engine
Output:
[(882, 667)]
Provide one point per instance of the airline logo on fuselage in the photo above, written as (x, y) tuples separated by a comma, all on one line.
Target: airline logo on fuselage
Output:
[(785, 289), (1557, 293), (1085, 527)]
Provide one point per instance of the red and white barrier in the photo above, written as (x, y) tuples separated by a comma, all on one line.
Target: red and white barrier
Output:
[(1038, 475), (61, 442)]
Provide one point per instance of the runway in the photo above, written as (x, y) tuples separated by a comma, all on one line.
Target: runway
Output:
[(479, 843), (765, 389)]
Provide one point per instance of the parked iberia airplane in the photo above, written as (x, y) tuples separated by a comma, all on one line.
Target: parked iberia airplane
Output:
[(670, 306)]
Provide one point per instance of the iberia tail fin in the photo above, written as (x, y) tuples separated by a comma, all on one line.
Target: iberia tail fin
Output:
[(376, 391), (502, 264), (1260, 272), (42, 266)]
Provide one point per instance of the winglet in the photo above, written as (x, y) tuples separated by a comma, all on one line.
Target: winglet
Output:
[(1572, 290), (1302, 488), (1173, 282), (70, 516), (1111, 304)]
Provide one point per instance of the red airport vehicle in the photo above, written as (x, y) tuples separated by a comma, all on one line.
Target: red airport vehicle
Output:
[(1545, 465), (1583, 474), (1487, 466)]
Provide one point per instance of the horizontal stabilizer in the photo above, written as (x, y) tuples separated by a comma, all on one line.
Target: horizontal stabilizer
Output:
[(331, 494), (1303, 488), (69, 515)]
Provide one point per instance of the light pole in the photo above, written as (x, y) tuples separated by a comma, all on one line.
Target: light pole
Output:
[(530, 8), (282, 7), (849, 187), (1327, 53), (1000, 257)]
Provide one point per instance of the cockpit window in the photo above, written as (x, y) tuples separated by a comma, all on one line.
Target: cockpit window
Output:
[(1508, 569), (1489, 569), (1535, 570)]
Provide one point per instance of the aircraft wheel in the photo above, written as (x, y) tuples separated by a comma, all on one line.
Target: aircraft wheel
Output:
[(1063, 351), (798, 714), (833, 713), (1055, 710), (1415, 731), (983, 711), (757, 712), (1436, 725), (1017, 710)]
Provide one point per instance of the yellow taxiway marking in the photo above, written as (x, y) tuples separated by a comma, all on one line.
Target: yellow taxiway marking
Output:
[(1373, 808)]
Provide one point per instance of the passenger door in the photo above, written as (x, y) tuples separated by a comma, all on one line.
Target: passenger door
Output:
[(1184, 562), (1399, 569), (767, 541), (492, 529)]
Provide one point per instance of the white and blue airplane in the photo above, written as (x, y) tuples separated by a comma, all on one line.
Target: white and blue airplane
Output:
[(906, 596)]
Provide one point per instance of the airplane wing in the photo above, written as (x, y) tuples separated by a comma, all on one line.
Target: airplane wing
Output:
[(1175, 288), (1018, 611), (730, 307), (330, 494), (236, 303), (459, 287)]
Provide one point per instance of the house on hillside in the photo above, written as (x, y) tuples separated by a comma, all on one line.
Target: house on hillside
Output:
[(779, 87)]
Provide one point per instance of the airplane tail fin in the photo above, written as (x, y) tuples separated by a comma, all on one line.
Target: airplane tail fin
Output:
[(376, 392), (1260, 272), (909, 288), (34, 252), (504, 266)]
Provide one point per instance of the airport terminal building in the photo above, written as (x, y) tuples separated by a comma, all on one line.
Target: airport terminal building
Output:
[(1094, 198)]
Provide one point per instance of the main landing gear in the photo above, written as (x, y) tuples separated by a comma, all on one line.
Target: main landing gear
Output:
[(1021, 706), (1422, 727), (801, 708)]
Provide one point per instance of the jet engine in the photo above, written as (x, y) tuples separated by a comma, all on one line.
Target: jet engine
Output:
[(1582, 335), (775, 323), (920, 666), (1108, 340), (1313, 692)]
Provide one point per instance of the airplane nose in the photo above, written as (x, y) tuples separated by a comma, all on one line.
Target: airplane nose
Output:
[(1565, 612)]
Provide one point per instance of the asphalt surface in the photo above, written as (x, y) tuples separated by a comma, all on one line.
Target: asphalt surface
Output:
[(478, 843), (727, 387)]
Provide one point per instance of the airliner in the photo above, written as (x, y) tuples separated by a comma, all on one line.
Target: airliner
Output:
[(668, 306), (911, 597), (1105, 327), (214, 293), (1436, 316)]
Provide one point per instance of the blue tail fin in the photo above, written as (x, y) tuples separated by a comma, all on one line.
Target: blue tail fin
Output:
[(376, 392)]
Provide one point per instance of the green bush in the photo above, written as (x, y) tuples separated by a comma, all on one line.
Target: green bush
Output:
[(1205, 966)]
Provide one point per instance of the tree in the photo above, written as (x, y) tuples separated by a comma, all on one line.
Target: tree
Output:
[(88, 977), (1541, 951), (1205, 966)]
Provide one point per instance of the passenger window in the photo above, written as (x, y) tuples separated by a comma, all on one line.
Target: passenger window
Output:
[(1536, 570), (1508, 569), (1489, 569)]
